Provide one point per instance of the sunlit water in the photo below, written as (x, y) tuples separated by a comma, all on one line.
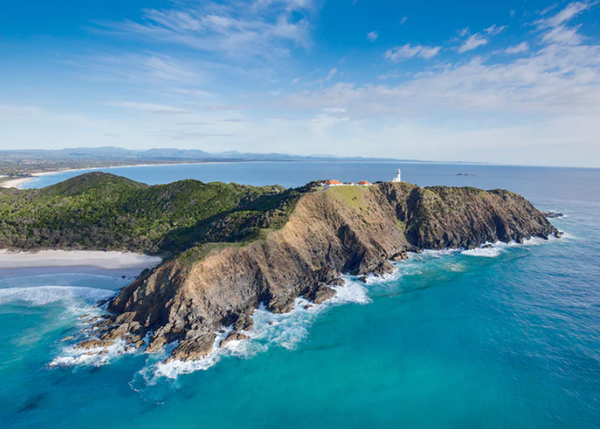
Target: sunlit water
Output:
[(503, 338)]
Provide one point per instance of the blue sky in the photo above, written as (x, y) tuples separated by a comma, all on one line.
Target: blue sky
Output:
[(511, 81)]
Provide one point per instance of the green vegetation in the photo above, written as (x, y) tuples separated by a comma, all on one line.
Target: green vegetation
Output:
[(349, 195), (99, 211)]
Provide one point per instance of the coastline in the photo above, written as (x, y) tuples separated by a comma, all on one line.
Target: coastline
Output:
[(76, 258), (18, 183)]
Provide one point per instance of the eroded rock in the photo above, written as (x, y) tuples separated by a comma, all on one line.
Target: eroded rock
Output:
[(383, 269), (93, 344), (320, 294), (234, 336), (400, 256)]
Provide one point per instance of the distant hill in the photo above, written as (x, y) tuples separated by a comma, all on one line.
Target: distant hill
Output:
[(29, 161)]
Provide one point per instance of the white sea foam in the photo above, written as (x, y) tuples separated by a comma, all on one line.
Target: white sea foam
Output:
[(500, 247), (99, 356), (280, 330), (175, 368), (285, 330), (44, 295), (486, 252)]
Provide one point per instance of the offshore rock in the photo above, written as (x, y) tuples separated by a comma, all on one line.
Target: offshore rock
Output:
[(93, 344)]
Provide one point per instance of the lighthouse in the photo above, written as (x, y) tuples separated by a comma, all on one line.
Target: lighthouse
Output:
[(398, 177)]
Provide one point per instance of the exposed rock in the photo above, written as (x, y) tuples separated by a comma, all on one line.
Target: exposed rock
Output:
[(400, 256), (156, 344), (244, 323), (351, 230), (195, 346), (234, 336), (103, 323), (320, 294), (487, 246), (363, 279), (93, 344), (337, 282), (383, 269), (282, 305), (553, 214)]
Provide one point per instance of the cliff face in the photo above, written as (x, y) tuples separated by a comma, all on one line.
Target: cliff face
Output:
[(344, 229)]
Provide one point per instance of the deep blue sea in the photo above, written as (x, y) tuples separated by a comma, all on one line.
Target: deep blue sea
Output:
[(508, 337)]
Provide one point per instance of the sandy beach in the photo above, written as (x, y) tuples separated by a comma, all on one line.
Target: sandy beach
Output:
[(62, 258), (18, 183)]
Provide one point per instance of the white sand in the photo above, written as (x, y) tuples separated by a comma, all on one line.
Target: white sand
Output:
[(18, 183), (62, 258), (15, 183)]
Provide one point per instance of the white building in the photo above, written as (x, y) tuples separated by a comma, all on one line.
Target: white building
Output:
[(398, 177)]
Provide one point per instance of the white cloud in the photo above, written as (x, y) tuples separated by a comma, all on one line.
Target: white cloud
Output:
[(463, 32), (372, 36), (568, 13), (11, 110), (265, 28), (517, 49), (403, 20), (401, 53), (150, 107), (532, 105), (494, 30), (331, 74), (162, 67), (473, 42), (556, 80), (563, 35), (555, 29)]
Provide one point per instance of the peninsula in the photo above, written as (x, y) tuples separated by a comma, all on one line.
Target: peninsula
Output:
[(228, 248)]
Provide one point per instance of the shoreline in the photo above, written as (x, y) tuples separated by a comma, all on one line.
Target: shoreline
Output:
[(18, 183), (76, 258)]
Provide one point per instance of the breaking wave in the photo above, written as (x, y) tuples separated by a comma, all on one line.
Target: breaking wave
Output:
[(270, 330), (43, 295), (285, 330)]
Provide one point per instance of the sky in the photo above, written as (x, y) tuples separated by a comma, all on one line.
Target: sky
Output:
[(512, 81)]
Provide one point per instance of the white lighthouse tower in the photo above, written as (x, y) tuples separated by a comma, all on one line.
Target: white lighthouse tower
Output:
[(398, 177)]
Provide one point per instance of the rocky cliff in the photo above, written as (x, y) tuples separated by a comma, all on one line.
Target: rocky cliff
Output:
[(344, 229)]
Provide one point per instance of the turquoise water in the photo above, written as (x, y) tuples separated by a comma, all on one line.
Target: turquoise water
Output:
[(506, 338)]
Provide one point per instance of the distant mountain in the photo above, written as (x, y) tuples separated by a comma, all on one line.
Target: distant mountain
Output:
[(16, 163)]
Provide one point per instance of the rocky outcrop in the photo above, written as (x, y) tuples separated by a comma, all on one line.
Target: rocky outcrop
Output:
[(353, 230)]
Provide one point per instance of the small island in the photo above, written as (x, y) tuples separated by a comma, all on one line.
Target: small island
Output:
[(229, 248)]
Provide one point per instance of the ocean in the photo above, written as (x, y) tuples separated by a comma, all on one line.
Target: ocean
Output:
[(507, 337)]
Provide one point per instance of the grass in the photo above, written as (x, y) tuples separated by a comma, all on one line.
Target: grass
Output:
[(352, 196)]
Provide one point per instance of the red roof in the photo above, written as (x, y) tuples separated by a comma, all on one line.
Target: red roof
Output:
[(364, 182), (333, 182)]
